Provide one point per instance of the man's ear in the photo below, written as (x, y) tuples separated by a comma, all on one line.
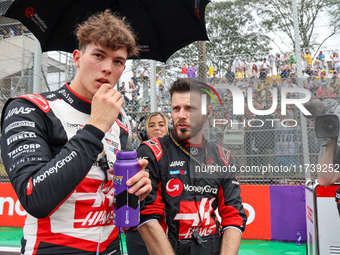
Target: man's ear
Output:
[(76, 57), (209, 111)]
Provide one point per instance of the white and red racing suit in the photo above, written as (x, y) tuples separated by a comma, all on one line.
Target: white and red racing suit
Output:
[(52, 159)]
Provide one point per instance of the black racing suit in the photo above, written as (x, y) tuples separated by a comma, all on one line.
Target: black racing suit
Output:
[(52, 159), (186, 195), (336, 162)]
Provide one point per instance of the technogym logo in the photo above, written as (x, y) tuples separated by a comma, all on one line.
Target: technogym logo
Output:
[(238, 103)]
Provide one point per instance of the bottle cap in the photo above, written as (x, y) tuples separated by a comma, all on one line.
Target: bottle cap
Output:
[(127, 154)]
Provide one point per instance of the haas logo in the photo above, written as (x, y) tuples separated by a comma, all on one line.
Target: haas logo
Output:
[(177, 163), (174, 187), (196, 216)]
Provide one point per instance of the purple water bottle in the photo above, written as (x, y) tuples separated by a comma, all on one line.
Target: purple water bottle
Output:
[(126, 206)]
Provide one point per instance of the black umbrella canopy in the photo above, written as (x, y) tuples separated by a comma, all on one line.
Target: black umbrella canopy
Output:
[(162, 26)]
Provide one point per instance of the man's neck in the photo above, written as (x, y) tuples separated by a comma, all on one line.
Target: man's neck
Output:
[(196, 140)]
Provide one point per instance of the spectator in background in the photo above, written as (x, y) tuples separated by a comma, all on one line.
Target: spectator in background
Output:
[(146, 109), (324, 65), (321, 56), (282, 67), (332, 94), (265, 66), (330, 74), (334, 82), (314, 88), (285, 58), (323, 90), (265, 93), (146, 82), (244, 67), (184, 73), (134, 85), (123, 91), (192, 71), (239, 74), (275, 84), (3, 34), (322, 79), (254, 68), (263, 73), (315, 74), (291, 60), (277, 63), (237, 64), (271, 64), (336, 62), (24, 30), (318, 66), (134, 103), (134, 79), (11, 33), (146, 75), (160, 87), (215, 80), (258, 87), (308, 58), (293, 76), (309, 70), (304, 75), (165, 84), (162, 78), (286, 72), (230, 75), (307, 83)]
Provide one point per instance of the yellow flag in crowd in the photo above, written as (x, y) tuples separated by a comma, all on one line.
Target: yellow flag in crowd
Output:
[(211, 70)]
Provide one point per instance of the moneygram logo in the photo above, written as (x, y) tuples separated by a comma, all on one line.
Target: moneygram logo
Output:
[(239, 98), (174, 187)]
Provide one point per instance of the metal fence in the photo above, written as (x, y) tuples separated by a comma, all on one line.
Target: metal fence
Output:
[(259, 146)]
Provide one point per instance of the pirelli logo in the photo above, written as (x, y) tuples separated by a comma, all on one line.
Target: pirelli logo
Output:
[(19, 136)]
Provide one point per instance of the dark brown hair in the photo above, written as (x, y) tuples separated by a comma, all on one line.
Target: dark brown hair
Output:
[(183, 85), (107, 30)]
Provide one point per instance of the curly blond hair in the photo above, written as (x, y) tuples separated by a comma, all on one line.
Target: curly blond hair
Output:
[(107, 30)]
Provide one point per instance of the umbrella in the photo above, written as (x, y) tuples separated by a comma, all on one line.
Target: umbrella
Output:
[(162, 26)]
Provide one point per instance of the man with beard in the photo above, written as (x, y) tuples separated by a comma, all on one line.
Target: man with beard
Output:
[(183, 190)]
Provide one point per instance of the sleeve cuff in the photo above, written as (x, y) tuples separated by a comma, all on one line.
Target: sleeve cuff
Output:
[(94, 131), (233, 228), (145, 222)]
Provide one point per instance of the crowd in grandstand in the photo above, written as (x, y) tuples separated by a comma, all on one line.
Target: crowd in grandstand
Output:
[(318, 75), (14, 30)]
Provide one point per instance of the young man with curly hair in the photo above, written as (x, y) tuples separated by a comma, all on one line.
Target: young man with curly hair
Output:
[(53, 145)]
